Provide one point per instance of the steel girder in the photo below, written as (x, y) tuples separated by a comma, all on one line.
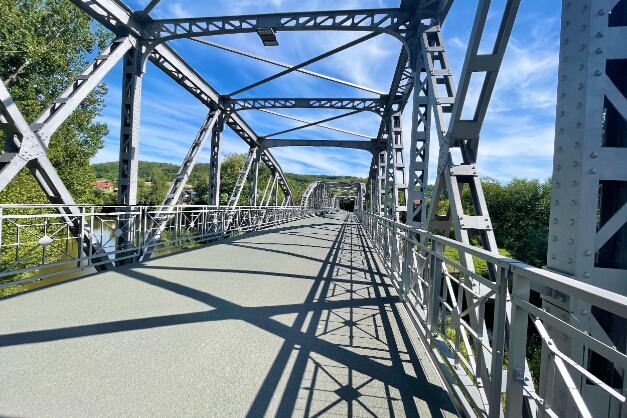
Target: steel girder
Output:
[(118, 18), (588, 230), (371, 105), (395, 174), (394, 22), (253, 178), (370, 146)]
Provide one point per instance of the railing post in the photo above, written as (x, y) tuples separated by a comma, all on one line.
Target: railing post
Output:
[(435, 281), (498, 342), (516, 378)]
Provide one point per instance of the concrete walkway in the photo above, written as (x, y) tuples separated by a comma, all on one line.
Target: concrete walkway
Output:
[(298, 320)]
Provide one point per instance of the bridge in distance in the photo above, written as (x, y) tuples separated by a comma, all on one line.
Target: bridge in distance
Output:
[(300, 308)]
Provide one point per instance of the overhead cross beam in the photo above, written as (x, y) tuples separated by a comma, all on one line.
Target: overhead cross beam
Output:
[(372, 105), (369, 146), (391, 21)]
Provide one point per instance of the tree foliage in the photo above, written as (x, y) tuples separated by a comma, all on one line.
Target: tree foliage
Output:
[(519, 212), (44, 45)]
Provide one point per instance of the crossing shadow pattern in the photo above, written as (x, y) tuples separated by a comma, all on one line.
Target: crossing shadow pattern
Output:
[(349, 352)]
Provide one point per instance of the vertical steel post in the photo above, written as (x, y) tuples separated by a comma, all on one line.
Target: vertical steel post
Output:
[(129, 127), (129, 147), (588, 230), (395, 183), (419, 147), (214, 162), (253, 178)]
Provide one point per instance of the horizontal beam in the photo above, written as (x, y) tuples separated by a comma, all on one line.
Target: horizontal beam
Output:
[(375, 105), (363, 145), (392, 21)]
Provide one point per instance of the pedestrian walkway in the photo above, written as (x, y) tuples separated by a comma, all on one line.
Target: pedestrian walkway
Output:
[(298, 320)]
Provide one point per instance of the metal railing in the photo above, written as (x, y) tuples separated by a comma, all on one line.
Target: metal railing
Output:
[(481, 357), (37, 242)]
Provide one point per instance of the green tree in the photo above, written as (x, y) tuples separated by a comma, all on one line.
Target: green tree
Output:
[(43, 47), (519, 212), (156, 192)]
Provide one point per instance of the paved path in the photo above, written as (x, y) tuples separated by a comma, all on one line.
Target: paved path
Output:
[(298, 320)]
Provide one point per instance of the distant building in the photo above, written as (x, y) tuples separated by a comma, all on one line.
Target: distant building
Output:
[(187, 196), (105, 186)]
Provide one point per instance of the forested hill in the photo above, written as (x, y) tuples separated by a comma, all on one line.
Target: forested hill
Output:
[(109, 171)]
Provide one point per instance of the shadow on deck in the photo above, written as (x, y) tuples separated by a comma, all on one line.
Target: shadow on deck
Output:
[(298, 320)]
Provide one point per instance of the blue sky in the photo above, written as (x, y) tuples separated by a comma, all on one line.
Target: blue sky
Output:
[(516, 139)]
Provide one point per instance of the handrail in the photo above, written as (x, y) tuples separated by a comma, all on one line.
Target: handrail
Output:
[(467, 345), (37, 242)]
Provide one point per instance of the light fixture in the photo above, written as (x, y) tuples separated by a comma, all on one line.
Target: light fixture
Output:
[(267, 36)]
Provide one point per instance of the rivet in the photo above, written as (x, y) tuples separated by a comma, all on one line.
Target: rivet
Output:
[(586, 275), (557, 185), (560, 131), (558, 167), (577, 125), (583, 27), (581, 67), (582, 47), (573, 202), (565, 41), (593, 171), (563, 78), (552, 256), (588, 253), (554, 238), (555, 220), (564, 58), (578, 105), (575, 164), (557, 202), (569, 261), (584, 8), (559, 149), (601, 12), (599, 34), (580, 86), (593, 155), (567, 23), (565, 337), (572, 222), (576, 144), (584, 312), (562, 95), (548, 309), (599, 50), (598, 73), (567, 6), (562, 113), (571, 241)]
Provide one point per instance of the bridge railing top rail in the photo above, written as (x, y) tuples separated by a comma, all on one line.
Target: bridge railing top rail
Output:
[(597, 296), (475, 325), (38, 241)]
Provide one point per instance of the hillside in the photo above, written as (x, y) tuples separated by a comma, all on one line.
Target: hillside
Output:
[(297, 182)]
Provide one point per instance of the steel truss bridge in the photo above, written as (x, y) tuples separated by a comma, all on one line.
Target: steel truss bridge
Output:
[(277, 308)]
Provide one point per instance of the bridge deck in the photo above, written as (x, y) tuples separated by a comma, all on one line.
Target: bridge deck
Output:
[(298, 320)]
